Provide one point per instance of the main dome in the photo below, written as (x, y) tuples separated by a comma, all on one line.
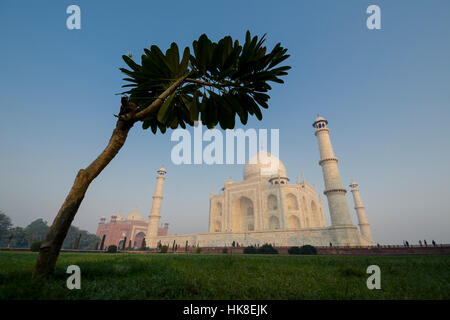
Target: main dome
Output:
[(264, 164), (135, 215)]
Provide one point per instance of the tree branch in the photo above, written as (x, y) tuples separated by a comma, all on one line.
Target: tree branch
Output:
[(201, 82), (155, 105)]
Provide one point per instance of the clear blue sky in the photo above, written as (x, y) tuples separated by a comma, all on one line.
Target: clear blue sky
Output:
[(385, 93)]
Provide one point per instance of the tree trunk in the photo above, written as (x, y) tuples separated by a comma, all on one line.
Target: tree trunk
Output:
[(49, 251), (50, 248)]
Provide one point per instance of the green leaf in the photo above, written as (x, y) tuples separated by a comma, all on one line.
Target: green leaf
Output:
[(185, 61), (133, 65), (163, 113), (173, 58)]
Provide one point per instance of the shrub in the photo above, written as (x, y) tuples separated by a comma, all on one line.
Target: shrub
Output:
[(264, 249), (35, 246), (306, 249), (294, 250), (250, 250), (112, 249), (267, 249), (163, 249), (198, 250), (225, 250)]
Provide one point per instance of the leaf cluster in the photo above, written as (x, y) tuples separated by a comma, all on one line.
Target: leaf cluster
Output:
[(222, 79)]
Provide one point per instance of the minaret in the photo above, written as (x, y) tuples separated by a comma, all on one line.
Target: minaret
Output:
[(335, 192), (153, 218), (362, 220)]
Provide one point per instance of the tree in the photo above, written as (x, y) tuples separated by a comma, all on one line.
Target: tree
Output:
[(217, 82), (103, 242), (19, 238), (5, 228), (124, 243), (36, 231), (87, 240), (77, 242)]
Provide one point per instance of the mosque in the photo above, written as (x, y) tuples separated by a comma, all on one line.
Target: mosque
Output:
[(265, 208), (130, 229)]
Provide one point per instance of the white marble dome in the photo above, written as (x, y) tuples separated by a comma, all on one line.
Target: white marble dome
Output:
[(319, 118), (135, 215), (264, 164)]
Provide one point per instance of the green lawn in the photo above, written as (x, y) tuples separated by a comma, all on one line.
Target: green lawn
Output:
[(203, 276)]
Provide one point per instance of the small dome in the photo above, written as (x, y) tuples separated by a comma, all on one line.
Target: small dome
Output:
[(319, 119), (117, 216), (135, 215), (264, 165), (353, 184), (162, 169)]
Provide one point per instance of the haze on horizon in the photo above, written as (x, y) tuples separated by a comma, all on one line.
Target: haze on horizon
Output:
[(385, 93)]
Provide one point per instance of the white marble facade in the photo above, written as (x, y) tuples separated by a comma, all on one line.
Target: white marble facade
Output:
[(265, 208), (265, 202)]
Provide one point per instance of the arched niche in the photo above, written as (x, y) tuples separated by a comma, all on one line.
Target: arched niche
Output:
[(293, 222), (291, 202), (272, 202), (217, 210), (274, 223), (217, 226), (242, 215)]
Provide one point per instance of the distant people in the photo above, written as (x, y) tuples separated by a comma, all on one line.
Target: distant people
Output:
[(420, 243), (434, 243), (425, 242), (378, 245), (407, 243), (331, 244)]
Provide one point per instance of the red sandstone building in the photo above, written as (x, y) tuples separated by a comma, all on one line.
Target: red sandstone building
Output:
[(133, 228)]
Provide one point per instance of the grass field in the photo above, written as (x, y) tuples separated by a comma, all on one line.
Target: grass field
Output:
[(203, 276)]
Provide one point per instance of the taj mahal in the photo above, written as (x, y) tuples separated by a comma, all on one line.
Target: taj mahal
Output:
[(262, 208)]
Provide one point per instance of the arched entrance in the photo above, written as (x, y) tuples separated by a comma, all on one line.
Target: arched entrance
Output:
[(138, 239), (242, 215)]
